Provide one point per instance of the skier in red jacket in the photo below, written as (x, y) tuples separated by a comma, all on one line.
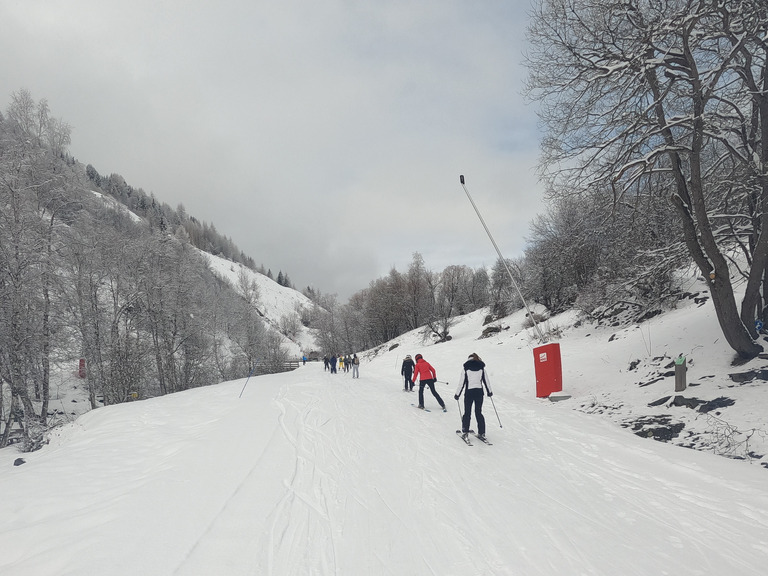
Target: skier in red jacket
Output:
[(426, 375)]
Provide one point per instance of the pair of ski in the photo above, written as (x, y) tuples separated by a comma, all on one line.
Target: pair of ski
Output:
[(427, 409), (466, 440)]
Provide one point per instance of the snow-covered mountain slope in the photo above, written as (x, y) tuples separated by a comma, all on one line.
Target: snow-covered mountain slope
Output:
[(311, 473), (275, 301), (113, 204)]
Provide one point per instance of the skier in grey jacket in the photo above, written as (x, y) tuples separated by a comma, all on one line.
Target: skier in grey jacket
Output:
[(474, 379)]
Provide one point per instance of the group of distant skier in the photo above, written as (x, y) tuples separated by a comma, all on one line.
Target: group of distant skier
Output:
[(345, 362), (473, 382)]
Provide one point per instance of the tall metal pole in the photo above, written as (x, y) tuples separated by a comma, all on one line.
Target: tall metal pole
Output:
[(503, 261)]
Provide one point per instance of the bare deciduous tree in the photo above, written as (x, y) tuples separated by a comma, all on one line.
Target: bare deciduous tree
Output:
[(673, 90)]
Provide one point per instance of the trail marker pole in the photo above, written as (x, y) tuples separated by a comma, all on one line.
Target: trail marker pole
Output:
[(503, 260), (246, 380)]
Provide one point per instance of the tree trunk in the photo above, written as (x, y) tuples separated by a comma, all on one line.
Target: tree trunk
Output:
[(736, 333), (5, 425), (719, 282)]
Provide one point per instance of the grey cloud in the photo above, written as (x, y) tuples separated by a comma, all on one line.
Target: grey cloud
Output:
[(325, 137)]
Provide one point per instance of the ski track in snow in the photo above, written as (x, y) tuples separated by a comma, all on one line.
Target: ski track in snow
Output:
[(346, 461), (312, 473)]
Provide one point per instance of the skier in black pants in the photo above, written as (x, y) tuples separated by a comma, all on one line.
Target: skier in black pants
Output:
[(426, 375), (473, 378), (407, 372)]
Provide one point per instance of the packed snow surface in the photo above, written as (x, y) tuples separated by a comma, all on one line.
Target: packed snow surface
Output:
[(308, 473)]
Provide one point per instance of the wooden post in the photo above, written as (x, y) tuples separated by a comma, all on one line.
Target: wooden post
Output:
[(680, 370)]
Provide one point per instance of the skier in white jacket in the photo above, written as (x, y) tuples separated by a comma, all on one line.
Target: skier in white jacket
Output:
[(474, 379)]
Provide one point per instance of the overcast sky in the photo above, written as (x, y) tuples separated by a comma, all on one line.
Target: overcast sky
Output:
[(326, 137)]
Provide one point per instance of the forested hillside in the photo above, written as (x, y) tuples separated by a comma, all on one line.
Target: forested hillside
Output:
[(113, 292)]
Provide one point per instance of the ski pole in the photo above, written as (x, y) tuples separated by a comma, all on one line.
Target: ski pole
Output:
[(246, 380), (497, 413), (461, 416)]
